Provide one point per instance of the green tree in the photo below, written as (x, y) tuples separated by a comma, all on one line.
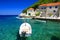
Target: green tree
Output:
[(38, 13)]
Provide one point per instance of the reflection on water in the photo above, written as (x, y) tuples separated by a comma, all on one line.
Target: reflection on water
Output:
[(20, 38), (54, 38)]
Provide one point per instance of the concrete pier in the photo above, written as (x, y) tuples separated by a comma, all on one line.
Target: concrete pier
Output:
[(47, 18)]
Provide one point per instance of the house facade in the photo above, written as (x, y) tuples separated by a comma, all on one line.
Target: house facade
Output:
[(42, 11), (37, 12), (50, 10), (30, 12)]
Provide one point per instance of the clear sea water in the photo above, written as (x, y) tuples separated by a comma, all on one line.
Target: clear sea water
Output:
[(41, 30)]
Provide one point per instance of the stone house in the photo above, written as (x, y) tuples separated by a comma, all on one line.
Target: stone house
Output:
[(31, 12), (37, 11), (50, 9)]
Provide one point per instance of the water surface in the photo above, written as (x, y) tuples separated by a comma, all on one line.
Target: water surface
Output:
[(41, 30)]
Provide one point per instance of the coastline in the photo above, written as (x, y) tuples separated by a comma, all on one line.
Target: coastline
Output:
[(47, 18), (42, 18)]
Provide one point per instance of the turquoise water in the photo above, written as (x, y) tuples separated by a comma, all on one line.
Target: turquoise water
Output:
[(41, 30)]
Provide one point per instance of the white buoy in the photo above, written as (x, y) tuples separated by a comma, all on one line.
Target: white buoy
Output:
[(25, 30)]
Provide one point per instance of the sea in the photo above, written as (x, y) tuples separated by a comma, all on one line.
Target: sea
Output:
[(41, 29)]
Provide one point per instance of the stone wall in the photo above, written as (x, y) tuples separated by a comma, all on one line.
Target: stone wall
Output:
[(51, 10)]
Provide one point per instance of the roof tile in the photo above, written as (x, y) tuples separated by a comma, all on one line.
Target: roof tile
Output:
[(51, 4)]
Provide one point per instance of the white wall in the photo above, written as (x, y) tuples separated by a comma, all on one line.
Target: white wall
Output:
[(51, 10), (43, 14), (32, 12), (59, 11)]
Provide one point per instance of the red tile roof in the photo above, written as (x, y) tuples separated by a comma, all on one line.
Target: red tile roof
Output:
[(51, 4), (31, 9)]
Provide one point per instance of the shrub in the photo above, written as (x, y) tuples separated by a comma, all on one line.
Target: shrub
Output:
[(38, 13)]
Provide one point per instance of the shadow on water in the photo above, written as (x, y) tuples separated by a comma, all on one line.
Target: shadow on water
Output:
[(55, 38), (20, 38)]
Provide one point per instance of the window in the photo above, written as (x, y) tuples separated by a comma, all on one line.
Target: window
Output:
[(50, 7), (30, 10), (54, 10), (56, 6), (44, 7), (29, 14)]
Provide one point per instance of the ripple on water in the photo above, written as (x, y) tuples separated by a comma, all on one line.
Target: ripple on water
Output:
[(40, 30)]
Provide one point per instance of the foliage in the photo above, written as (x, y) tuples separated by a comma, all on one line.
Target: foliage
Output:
[(37, 14), (50, 14)]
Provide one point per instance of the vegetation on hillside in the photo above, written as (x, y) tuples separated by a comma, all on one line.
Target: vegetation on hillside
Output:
[(40, 2)]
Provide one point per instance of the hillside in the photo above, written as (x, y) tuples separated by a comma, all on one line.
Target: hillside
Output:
[(40, 2)]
